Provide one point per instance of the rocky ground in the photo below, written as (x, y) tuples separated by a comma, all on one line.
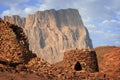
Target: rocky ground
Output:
[(109, 59), (17, 62)]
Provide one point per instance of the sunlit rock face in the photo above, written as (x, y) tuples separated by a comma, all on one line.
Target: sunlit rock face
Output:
[(52, 32)]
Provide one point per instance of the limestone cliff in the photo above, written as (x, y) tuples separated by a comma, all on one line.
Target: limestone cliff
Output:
[(15, 19), (52, 32)]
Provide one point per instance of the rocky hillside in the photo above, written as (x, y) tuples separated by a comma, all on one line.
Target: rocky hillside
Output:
[(52, 32), (101, 51), (109, 59)]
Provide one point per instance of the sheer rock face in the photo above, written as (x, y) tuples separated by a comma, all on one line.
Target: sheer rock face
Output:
[(52, 32), (15, 19)]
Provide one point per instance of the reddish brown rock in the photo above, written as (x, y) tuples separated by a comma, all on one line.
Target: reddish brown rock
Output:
[(38, 65), (101, 51), (14, 47), (76, 64), (109, 60), (81, 60), (112, 61)]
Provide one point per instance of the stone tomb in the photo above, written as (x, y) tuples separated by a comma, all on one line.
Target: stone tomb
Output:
[(81, 60)]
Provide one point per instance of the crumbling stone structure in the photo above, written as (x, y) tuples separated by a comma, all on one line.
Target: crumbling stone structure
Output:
[(14, 47), (81, 60)]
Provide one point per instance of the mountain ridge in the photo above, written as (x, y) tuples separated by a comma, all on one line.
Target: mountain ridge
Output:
[(52, 32)]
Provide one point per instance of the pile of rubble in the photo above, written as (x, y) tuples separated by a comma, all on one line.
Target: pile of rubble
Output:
[(38, 65)]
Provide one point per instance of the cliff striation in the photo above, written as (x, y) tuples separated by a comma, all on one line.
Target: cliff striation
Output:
[(52, 32)]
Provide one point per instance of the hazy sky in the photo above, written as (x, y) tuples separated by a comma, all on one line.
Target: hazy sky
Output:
[(101, 17)]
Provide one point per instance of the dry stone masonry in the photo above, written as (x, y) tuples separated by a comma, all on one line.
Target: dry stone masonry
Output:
[(14, 47), (84, 60)]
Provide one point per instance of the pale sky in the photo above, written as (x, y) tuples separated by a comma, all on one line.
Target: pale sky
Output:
[(101, 17)]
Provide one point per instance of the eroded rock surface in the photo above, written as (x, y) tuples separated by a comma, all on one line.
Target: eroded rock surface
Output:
[(52, 32)]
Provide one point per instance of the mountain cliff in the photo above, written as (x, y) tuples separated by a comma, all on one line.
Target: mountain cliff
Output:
[(52, 32)]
